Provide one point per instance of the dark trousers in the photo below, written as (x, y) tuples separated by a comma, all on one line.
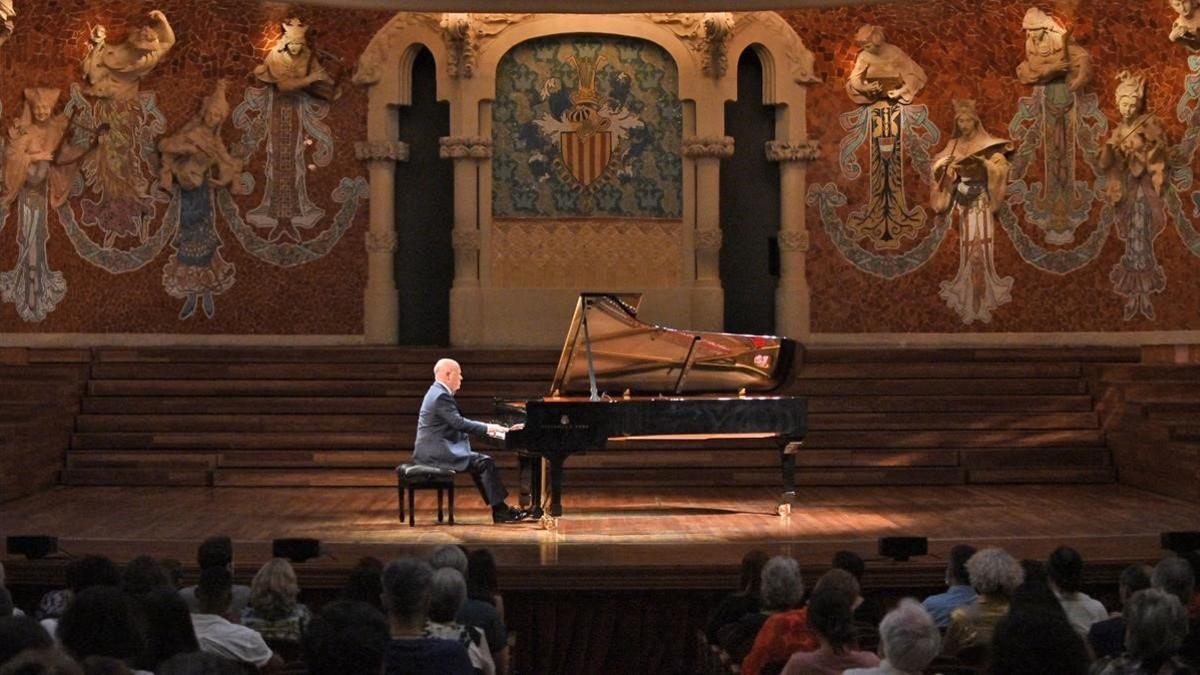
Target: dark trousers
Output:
[(487, 479)]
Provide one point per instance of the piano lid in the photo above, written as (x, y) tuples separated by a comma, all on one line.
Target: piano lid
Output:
[(648, 359)]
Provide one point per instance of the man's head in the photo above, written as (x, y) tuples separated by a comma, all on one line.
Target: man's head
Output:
[(956, 571), (869, 38), (1174, 575), (1133, 579), (908, 638), (407, 584), (447, 595), (449, 373), (215, 590), (215, 552), (449, 555), (851, 562), (782, 586), (1065, 568), (345, 637)]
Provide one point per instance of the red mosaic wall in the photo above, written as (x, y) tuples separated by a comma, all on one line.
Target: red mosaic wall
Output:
[(970, 49), (215, 39)]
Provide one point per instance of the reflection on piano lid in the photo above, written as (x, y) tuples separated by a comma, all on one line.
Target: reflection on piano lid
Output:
[(628, 354)]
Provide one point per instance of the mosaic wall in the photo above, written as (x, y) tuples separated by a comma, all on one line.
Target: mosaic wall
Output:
[(250, 221), (1072, 243), (587, 126)]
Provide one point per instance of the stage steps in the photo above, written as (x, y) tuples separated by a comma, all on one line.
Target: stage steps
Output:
[(347, 416)]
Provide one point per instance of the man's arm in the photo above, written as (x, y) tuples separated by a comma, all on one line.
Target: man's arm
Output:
[(448, 411)]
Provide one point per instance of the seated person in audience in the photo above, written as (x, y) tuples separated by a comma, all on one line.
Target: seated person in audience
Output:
[(217, 552), (273, 610), (483, 591), (142, 575), (908, 641), (476, 613), (782, 593), (1193, 608), (786, 633), (16, 611), (199, 663), (345, 637), (42, 662), (867, 611), (18, 633), (6, 603), (1107, 638), (407, 589), (81, 574), (994, 575), (217, 634), (746, 600), (1157, 627), (959, 593), (830, 618), (364, 584), (101, 621), (1036, 638), (1065, 569), (1175, 576), (168, 626), (174, 571), (447, 595)]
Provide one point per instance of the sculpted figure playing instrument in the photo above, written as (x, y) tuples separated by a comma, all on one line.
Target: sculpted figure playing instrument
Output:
[(1050, 55), (882, 71), (114, 71)]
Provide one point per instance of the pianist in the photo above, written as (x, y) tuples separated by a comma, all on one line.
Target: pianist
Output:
[(443, 440)]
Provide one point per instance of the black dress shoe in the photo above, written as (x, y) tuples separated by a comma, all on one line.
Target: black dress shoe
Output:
[(509, 515)]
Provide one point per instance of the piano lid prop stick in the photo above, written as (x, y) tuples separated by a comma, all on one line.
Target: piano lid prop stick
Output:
[(587, 345)]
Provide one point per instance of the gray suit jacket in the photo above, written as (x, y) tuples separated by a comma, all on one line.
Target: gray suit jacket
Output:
[(443, 434)]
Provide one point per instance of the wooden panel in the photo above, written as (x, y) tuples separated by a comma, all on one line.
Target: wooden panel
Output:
[(408, 355), (145, 477), (918, 370), (317, 424), (1023, 355), (953, 420), (961, 403), (951, 439), (1049, 475), (999, 458), (380, 440), (337, 387), (316, 371), (937, 387)]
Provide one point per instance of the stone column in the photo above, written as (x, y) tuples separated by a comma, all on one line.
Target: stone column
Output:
[(466, 297), (708, 299), (792, 301), (381, 302)]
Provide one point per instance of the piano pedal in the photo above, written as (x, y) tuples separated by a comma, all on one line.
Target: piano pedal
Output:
[(548, 522)]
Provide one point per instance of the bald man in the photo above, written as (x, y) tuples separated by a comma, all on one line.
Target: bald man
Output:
[(443, 440)]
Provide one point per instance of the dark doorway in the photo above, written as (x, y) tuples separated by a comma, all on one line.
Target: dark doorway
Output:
[(749, 207), (424, 214)]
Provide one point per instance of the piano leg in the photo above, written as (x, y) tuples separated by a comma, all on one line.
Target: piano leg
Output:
[(787, 458), (535, 486), (556, 472), (524, 472)]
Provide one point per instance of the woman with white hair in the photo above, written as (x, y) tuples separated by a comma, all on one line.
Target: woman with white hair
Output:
[(994, 574), (1157, 627), (908, 641), (273, 610)]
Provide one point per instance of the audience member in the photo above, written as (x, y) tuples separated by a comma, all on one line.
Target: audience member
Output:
[(273, 610), (908, 641), (142, 575), (18, 633), (1107, 638), (6, 603), (105, 665), (994, 575), (101, 621), (15, 611), (746, 600), (217, 634), (199, 663), (407, 585), (364, 584), (174, 571), (81, 574), (1065, 569), (1176, 576), (867, 611), (447, 595), (217, 552), (786, 633), (782, 592), (483, 582), (41, 662), (345, 637), (830, 618), (1193, 559), (474, 612), (959, 593), (169, 628), (1157, 627), (1035, 639)]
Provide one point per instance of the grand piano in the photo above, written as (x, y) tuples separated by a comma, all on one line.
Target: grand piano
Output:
[(620, 379)]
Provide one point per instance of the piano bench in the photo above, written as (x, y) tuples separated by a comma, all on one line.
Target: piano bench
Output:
[(413, 477)]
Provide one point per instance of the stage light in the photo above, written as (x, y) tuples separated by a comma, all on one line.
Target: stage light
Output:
[(33, 547), (296, 549), (901, 549)]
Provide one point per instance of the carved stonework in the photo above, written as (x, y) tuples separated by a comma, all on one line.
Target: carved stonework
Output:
[(465, 34), (708, 240), (460, 147), (804, 151), (801, 59), (382, 242), (720, 147), (584, 253), (381, 151), (7, 13), (114, 71), (793, 240), (466, 240), (1186, 29), (292, 64), (388, 43), (1050, 56), (882, 71)]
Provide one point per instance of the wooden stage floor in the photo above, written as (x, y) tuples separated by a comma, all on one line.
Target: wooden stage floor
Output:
[(615, 538)]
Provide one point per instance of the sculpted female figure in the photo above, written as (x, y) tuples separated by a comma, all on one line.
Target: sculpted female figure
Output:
[(292, 66), (113, 71), (1186, 29), (1135, 162), (882, 71), (1050, 55), (198, 160), (970, 177)]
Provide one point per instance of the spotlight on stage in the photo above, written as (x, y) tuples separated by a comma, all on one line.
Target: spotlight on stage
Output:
[(1180, 542), (901, 549), (296, 550), (33, 547)]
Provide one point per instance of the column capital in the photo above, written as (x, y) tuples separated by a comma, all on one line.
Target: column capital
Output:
[(466, 240), (381, 151), (382, 242), (465, 147), (787, 151), (794, 240), (719, 147), (708, 240)]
